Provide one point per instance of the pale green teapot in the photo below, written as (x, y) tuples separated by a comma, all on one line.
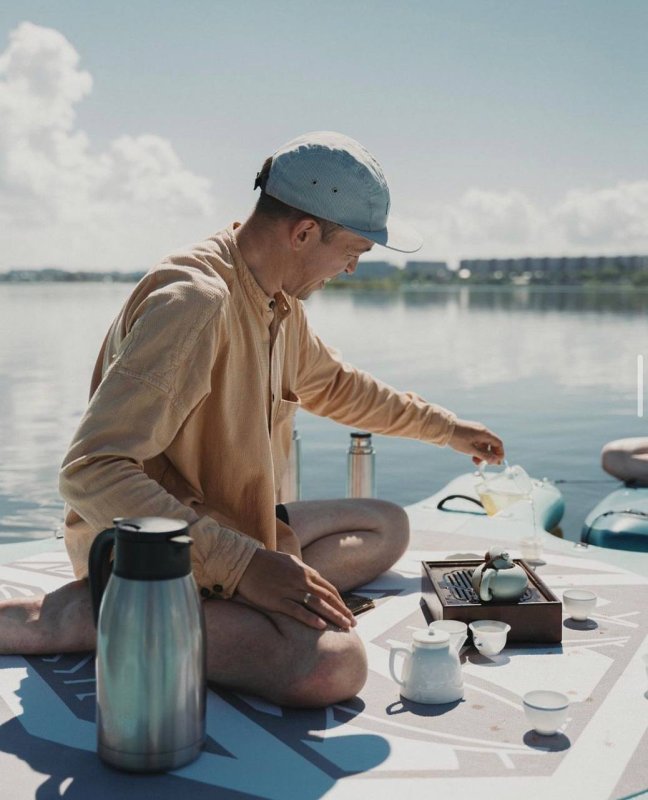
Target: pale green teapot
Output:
[(498, 578)]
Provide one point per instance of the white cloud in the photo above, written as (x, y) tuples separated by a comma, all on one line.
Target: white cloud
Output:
[(509, 224), (62, 202), (618, 215), (507, 217)]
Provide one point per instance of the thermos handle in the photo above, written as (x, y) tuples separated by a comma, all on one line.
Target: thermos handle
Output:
[(100, 568)]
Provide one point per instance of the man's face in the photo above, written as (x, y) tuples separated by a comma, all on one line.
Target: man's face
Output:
[(323, 261)]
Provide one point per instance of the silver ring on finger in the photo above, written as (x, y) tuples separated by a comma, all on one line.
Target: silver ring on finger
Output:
[(307, 598)]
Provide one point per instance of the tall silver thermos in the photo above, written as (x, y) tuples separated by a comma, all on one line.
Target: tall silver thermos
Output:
[(150, 661), (290, 489), (361, 466)]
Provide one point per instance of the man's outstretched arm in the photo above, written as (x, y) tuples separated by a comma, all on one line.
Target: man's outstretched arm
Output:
[(333, 388)]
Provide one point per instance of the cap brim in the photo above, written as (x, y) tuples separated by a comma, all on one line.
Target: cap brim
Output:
[(396, 235)]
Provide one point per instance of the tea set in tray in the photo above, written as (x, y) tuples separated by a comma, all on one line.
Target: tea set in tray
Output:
[(497, 598)]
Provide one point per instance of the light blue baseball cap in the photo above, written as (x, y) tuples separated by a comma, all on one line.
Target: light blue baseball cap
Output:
[(332, 176)]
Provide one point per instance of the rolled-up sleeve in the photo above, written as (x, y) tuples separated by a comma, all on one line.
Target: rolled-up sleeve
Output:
[(330, 387)]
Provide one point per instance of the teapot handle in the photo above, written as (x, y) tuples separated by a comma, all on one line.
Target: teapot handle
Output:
[(392, 661), (485, 593), (100, 568)]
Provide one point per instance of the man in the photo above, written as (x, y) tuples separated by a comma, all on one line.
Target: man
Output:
[(190, 417)]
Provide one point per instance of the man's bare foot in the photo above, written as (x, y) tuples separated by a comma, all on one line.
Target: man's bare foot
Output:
[(59, 622)]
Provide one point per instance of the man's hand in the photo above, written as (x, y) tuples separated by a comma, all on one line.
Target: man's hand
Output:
[(477, 441), (280, 582)]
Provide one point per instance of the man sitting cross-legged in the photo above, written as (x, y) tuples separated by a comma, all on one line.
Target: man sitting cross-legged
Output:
[(190, 417)]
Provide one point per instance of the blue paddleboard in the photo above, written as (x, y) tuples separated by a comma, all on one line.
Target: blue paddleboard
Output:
[(619, 521)]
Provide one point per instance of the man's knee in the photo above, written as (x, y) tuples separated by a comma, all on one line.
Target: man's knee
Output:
[(394, 526), (337, 673)]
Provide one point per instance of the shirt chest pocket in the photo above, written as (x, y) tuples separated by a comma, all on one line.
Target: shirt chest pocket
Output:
[(285, 410)]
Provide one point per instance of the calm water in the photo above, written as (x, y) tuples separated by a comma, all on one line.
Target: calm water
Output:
[(553, 372)]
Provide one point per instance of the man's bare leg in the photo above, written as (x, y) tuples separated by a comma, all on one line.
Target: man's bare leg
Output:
[(349, 541), (271, 655), (352, 541), (58, 622), (281, 659)]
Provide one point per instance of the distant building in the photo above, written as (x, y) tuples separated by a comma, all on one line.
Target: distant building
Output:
[(566, 270), (371, 270), (427, 271)]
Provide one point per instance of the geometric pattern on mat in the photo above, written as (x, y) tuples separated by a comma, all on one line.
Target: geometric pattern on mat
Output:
[(376, 744)]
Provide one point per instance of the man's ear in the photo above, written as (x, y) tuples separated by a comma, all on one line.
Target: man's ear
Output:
[(303, 233)]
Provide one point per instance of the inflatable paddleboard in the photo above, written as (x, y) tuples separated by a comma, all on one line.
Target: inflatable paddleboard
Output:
[(619, 521), (459, 497)]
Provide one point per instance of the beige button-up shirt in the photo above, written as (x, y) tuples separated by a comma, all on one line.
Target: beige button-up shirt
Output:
[(191, 410)]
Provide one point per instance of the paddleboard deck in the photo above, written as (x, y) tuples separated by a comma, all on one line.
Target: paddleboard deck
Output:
[(377, 744)]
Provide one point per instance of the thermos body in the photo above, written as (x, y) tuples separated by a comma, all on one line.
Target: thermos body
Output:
[(290, 489), (361, 466), (150, 669), (150, 660)]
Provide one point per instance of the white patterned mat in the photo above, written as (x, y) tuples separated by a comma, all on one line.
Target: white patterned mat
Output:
[(375, 746)]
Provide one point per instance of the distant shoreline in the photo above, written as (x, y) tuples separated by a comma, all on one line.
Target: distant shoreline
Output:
[(53, 275), (396, 282)]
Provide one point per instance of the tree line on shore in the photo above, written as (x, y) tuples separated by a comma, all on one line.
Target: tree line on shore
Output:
[(631, 271)]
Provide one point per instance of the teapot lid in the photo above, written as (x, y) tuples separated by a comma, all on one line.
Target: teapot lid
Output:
[(431, 639)]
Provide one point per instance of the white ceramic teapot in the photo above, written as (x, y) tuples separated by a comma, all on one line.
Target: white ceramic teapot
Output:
[(499, 578), (431, 671)]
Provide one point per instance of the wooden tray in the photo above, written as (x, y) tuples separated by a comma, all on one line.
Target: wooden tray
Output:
[(448, 594)]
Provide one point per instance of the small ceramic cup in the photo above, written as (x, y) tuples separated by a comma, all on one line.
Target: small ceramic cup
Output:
[(546, 711), (489, 635), (458, 631), (579, 603)]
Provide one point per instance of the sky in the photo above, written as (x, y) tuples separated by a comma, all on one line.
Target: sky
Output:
[(504, 127)]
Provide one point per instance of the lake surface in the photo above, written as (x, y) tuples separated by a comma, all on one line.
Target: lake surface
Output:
[(553, 372)]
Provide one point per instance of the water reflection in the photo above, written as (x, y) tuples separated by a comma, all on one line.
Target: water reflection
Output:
[(553, 371), (554, 299), (520, 298), (52, 334)]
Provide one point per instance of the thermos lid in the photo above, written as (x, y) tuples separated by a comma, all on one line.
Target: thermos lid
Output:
[(156, 529), (151, 548)]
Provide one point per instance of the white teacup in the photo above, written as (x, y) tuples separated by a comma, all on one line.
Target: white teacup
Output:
[(489, 635), (458, 631), (579, 603), (546, 711)]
